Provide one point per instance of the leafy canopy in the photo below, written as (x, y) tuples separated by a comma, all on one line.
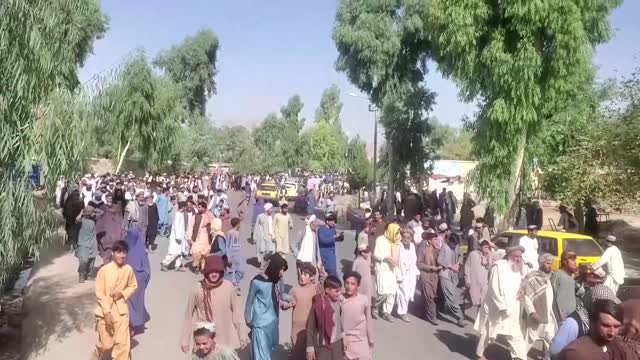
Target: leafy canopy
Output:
[(522, 60), (192, 65)]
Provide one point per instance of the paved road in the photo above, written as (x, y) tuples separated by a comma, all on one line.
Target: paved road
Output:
[(60, 321)]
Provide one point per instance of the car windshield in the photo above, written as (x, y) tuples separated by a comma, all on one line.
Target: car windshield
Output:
[(267, 188), (582, 247)]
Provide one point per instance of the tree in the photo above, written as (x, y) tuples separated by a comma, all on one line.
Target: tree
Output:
[(596, 157), (43, 44), (382, 49), (358, 164), (192, 65), (523, 62), (453, 143), (141, 109), (330, 107), (324, 150)]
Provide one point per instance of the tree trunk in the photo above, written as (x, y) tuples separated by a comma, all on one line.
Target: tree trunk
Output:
[(507, 221), (578, 212), (124, 152), (391, 179)]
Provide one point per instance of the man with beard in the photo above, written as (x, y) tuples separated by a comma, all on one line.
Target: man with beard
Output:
[(450, 259), (263, 235), (500, 313), (539, 322), (564, 286), (376, 229), (605, 318), (282, 224), (198, 232)]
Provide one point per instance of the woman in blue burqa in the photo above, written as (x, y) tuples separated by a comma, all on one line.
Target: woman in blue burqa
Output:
[(138, 260), (266, 295)]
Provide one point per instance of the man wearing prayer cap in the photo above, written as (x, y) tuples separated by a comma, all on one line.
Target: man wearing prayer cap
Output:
[(537, 304), (530, 244), (612, 258), (501, 311), (263, 235)]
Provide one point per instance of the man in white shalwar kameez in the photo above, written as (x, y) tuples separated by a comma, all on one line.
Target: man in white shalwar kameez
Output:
[(177, 240), (263, 234), (407, 273), (611, 262), (500, 313), (537, 305), (385, 257)]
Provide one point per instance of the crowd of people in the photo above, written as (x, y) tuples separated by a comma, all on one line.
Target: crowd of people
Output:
[(510, 289), (119, 217)]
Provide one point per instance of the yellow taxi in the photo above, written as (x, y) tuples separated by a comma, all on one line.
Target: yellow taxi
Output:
[(291, 190), (555, 242), (267, 191)]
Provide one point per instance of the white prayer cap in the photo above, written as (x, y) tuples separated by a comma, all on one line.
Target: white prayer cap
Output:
[(515, 248), (611, 238), (205, 325), (268, 206)]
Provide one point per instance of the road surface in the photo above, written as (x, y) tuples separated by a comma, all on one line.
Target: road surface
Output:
[(60, 322)]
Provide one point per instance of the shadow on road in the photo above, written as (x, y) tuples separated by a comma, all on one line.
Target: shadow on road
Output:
[(280, 353), (347, 265), (253, 262), (464, 345), (54, 311)]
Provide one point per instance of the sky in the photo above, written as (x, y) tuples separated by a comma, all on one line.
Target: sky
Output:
[(271, 50)]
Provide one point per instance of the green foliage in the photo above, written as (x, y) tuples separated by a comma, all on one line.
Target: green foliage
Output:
[(278, 140), (324, 149), (523, 60), (195, 145), (358, 167), (404, 117), (140, 110), (600, 160), (64, 146), (382, 48), (452, 143), (330, 107), (192, 65), (41, 45), (381, 45)]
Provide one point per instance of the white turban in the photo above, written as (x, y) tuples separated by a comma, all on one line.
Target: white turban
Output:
[(206, 325), (310, 219), (268, 206)]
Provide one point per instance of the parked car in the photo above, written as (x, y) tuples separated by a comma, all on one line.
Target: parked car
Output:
[(586, 248), (291, 190), (267, 191)]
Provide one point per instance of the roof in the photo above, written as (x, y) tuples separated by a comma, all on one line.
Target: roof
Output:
[(551, 234)]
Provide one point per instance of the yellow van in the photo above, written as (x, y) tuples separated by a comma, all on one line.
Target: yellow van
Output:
[(555, 242)]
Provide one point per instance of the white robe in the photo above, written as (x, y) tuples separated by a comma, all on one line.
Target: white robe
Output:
[(177, 238), (500, 312), (530, 254), (407, 275), (386, 282), (309, 251), (612, 257)]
